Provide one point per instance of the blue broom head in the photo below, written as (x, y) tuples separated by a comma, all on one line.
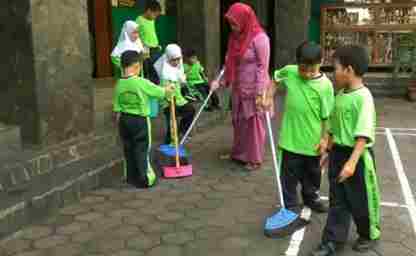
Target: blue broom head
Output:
[(280, 219), (170, 150)]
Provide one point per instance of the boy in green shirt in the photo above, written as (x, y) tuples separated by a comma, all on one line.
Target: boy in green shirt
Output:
[(303, 134), (131, 104), (148, 35), (197, 80), (352, 177)]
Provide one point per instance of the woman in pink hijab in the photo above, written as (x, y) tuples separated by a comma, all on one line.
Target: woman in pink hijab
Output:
[(246, 72)]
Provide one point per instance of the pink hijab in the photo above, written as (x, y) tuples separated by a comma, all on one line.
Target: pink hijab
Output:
[(243, 16)]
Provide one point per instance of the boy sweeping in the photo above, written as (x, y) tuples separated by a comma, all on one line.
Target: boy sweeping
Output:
[(131, 103), (303, 134), (352, 176)]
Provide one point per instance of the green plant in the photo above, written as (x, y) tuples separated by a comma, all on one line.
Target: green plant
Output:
[(405, 55)]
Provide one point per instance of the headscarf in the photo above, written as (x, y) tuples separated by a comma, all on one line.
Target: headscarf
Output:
[(238, 42), (165, 70), (124, 41)]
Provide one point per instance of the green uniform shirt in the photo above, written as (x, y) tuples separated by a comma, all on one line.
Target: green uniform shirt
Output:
[(147, 32), (132, 96), (180, 100), (308, 104), (354, 116), (194, 73)]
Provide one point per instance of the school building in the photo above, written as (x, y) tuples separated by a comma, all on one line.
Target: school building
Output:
[(54, 144)]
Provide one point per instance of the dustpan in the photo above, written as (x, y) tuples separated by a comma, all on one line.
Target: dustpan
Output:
[(284, 222), (176, 171)]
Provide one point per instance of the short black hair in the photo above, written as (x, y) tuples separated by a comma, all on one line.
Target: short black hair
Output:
[(153, 5), (308, 53), (188, 53), (355, 56), (129, 58)]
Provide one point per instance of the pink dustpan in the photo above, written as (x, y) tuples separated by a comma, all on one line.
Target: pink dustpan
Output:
[(177, 172)]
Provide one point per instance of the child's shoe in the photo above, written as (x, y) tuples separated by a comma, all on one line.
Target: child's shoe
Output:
[(325, 249), (364, 245)]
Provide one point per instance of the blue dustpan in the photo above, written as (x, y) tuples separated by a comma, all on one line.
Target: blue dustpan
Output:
[(169, 150), (280, 219)]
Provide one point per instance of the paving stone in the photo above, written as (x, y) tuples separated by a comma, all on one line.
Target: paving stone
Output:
[(235, 243), (92, 200), (215, 195), (58, 220), (83, 237), (122, 213), (105, 223), (105, 245), (190, 224), (50, 241), (210, 204), (36, 232), (32, 253), (139, 220), (170, 217), (191, 198), (72, 228), (152, 210), (16, 246), (119, 197), (105, 207), (105, 192), (180, 207), (178, 238), (158, 227), (166, 250), (127, 253), (199, 213), (89, 217), (75, 210), (211, 233), (135, 204), (143, 242), (66, 250), (127, 232)]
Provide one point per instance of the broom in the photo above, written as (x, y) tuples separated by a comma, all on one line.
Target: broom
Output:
[(284, 222), (177, 170)]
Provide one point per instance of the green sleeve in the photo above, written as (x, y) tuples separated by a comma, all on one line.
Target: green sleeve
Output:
[(327, 101), (280, 74), (116, 61), (366, 119), (141, 30), (153, 90), (116, 102)]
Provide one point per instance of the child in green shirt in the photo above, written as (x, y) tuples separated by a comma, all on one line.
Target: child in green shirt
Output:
[(352, 176), (131, 104), (303, 134), (197, 80), (148, 35)]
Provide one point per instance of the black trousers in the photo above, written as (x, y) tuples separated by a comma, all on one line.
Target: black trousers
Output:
[(186, 114), (148, 68), (300, 169), (349, 200), (204, 91), (134, 132)]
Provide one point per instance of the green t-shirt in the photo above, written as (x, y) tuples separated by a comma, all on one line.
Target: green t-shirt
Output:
[(308, 105), (180, 100), (132, 95), (147, 32), (194, 73), (354, 116)]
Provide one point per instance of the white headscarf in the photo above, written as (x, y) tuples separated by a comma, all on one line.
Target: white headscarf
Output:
[(165, 70), (124, 41)]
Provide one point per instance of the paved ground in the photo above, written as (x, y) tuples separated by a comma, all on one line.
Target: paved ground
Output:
[(221, 209)]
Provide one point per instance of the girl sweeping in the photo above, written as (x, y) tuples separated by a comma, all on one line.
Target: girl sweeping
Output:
[(170, 69), (128, 40), (246, 72)]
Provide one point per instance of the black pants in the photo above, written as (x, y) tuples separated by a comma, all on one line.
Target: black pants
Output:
[(301, 169), (349, 199), (204, 91), (186, 113), (149, 70), (134, 132)]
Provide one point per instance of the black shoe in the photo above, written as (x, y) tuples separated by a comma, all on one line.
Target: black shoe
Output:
[(318, 207), (364, 245), (325, 249)]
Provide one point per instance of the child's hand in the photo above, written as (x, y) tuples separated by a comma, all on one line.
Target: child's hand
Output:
[(322, 147), (347, 171), (215, 85), (170, 89)]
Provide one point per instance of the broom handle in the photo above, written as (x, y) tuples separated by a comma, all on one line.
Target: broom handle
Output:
[(201, 109), (275, 163), (175, 130)]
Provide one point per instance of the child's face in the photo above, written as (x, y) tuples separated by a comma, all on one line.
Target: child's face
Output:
[(134, 36), (175, 62), (309, 72), (133, 70), (342, 75), (193, 59), (153, 15)]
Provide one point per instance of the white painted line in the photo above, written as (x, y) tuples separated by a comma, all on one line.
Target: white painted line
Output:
[(386, 204), (397, 129), (404, 134), (297, 237), (404, 182)]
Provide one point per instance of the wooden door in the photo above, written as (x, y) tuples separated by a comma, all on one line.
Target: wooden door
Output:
[(103, 38)]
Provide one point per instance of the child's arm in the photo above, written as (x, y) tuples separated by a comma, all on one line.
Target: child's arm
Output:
[(349, 167), (155, 91)]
